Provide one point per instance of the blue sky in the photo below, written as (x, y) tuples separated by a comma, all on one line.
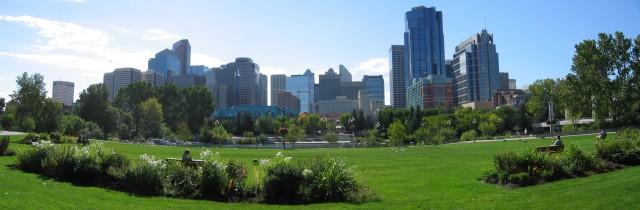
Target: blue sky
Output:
[(80, 40)]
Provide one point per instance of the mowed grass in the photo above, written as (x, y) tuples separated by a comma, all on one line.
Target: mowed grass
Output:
[(425, 177)]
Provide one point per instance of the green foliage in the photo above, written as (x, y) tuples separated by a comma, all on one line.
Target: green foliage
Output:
[(422, 135), (198, 105), (541, 93), (55, 137), (629, 134), (29, 101), (144, 177), (92, 130), (220, 135), (214, 178), (283, 183), (183, 132), (262, 139), (570, 128), (180, 181), (330, 137), (471, 135), (371, 138), (295, 134), (397, 133), (443, 136), (151, 122), (172, 100), (43, 137), (95, 97), (604, 77), (4, 147), (619, 151), (487, 128), (332, 180), (575, 160)]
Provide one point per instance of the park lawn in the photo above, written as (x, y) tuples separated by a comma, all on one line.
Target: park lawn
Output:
[(443, 176)]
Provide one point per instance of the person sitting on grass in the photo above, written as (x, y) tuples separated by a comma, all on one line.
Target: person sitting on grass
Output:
[(186, 156), (602, 135), (557, 142)]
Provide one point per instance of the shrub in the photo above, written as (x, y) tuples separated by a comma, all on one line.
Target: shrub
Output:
[(487, 128), (181, 180), (469, 136), (263, 139), (629, 134), (55, 137), (442, 136), (522, 179), (606, 150), (214, 179), (570, 128), (43, 136), (575, 161), (282, 184), (332, 180), (4, 147), (536, 165), (29, 138), (237, 175), (67, 139), (245, 141), (145, 177), (31, 159)]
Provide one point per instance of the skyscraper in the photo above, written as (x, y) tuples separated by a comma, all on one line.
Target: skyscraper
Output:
[(120, 78), (182, 49), (301, 86), (249, 84), (476, 68), (423, 43), (63, 92), (397, 82), (165, 62), (374, 86), (263, 89), (224, 87), (278, 85), (345, 75), (197, 70), (504, 81), (152, 77), (329, 85)]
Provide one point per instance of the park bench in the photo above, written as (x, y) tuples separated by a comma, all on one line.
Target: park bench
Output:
[(192, 163), (550, 148)]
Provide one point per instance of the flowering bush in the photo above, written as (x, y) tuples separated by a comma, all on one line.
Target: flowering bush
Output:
[(214, 177), (283, 180), (145, 177), (181, 181)]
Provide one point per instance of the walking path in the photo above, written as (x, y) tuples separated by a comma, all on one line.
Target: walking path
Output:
[(10, 133), (524, 138)]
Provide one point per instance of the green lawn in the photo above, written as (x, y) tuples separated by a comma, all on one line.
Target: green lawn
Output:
[(443, 176)]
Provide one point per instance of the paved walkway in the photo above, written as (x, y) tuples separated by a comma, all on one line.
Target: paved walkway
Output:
[(525, 138), (10, 133)]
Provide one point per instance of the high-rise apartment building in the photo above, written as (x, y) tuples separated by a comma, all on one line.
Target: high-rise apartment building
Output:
[(263, 89), (278, 85), (423, 43), (476, 68), (63, 92), (224, 87), (504, 81), (301, 86), (397, 82), (119, 79), (165, 62), (182, 49), (328, 85), (374, 86), (154, 78), (249, 84), (345, 75)]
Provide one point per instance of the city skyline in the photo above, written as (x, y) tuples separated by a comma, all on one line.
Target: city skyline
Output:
[(79, 41)]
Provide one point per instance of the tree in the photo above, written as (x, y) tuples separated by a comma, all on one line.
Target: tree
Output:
[(2, 105), (172, 100), (49, 119), (487, 128), (265, 124), (397, 133), (29, 100), (131, 97), (151, 118), (295, 134), (541, 93), (313, 123), (71, 125), (198, 106), (92, 105), (605, 73)]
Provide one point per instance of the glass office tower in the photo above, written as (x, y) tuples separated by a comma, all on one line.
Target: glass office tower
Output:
[(423, 43)]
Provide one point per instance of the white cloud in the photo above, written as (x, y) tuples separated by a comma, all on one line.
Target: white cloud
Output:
[(203, 59), (374, 66), (268, 70), (61, 35), (159, 35)]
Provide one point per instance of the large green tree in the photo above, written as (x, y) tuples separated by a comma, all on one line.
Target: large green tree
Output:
[(198, 105), (50, 116), (397, 133), (605, 73), (93, 104), (542, 92), (151, 120), (172, 100), (29, 100)]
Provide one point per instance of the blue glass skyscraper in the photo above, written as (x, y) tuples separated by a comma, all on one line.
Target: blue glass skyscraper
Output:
[(374, 86), (423, 43), (165, 62), (476, 69)]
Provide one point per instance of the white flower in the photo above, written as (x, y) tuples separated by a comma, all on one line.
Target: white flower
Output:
[(205, 154), (265, 162), (307, 173), (279, 154), (217, 154), (287, 159), (85, 150)]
